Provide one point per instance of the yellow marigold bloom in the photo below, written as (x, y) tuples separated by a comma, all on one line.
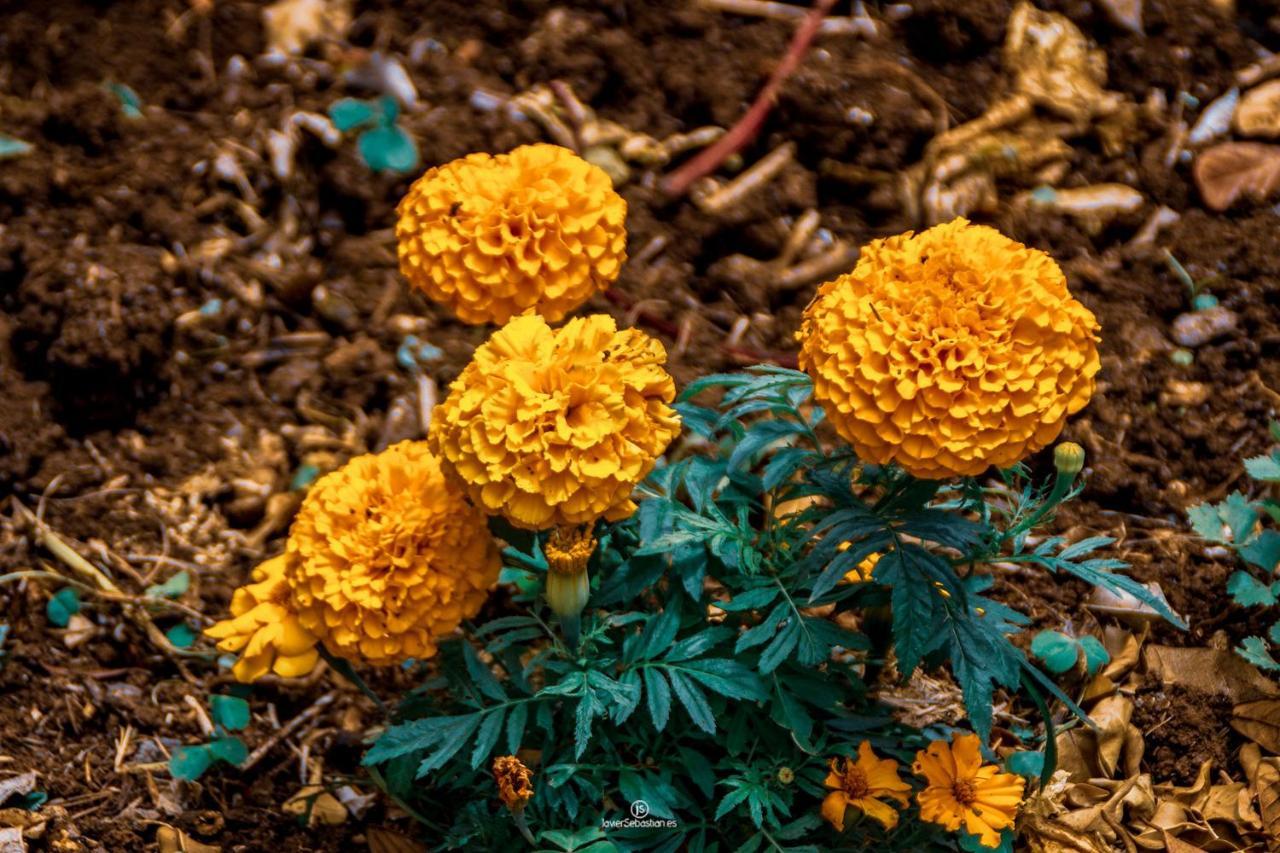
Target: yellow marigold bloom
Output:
[(864, 785), (490, 236), (949, 351), (962, 790), (554, 428), (264, 629), (386, 556), (515, 781)]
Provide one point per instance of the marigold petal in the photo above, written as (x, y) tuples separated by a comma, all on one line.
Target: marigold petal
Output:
[(833, 808)]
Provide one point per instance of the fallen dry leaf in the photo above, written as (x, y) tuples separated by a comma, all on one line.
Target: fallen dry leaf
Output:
[(1258, 113), (1232, 170), (1213, 671), (11, 841), (385, 841), (292, 25), (1264, 784), (1260, 722), (1053, 64), (1126, 13), (1173, 845), (17, 786), (172, 840), (1125, 607), (319, 805)]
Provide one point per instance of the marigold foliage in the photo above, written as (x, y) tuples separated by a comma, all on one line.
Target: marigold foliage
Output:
[(264, 629), (949, 351), (386, 556), (491, 236), (864, 785), (554, 428), (963, 791)]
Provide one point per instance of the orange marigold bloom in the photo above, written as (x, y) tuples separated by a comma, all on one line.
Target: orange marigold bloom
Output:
[(386, 556), (949, 351), (964, 791), (553, 428), (515, 781), (264, 629), (864, 785), (491, 236)]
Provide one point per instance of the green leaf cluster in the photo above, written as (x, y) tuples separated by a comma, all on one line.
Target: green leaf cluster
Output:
[(1248, 526), (726, 641)]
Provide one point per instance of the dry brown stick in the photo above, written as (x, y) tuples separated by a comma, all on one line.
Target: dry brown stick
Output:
[(737, 137), (71, 558), (289, 728)]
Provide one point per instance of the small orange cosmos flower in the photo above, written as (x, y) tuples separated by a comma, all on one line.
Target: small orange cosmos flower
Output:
[(963, 790), (864, 785)]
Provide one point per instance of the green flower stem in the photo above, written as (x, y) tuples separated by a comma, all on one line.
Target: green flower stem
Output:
[(571, 626), (522, 824)]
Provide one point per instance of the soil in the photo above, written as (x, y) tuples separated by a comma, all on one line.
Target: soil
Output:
[(181, 330)]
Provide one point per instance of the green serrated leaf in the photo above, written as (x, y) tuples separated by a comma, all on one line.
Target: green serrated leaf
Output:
[(1264, 468), (1248, 591), (1256, 652), (1262, 550), (693, 701), (487, 736), (1239, 515), (1206, 522)]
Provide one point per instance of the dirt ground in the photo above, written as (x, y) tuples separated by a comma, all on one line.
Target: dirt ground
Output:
[(181, 330)]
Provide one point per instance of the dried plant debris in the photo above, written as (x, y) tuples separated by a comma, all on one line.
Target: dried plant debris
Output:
[(1054, 92)]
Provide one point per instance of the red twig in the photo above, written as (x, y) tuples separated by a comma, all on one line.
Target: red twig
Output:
[(678, 182)]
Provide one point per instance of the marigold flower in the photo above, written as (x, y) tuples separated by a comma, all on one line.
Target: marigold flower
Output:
[(554, 428), (264, 629), (949, 351), (515, 781), (962, 790), (386, 556), (491, 236), (864, 785)]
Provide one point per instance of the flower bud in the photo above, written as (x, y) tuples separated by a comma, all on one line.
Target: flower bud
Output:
[(568, 550), (1068, 458), (786, 775)]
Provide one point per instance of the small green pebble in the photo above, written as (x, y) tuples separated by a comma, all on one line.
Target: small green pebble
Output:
[(1182, 357)]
